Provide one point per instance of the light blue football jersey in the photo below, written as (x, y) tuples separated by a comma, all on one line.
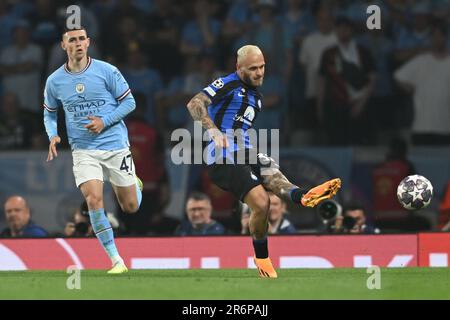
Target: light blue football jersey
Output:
[(97, 90)]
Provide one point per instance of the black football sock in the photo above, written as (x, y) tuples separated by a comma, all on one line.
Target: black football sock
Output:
[(260, 246), (297, 194)]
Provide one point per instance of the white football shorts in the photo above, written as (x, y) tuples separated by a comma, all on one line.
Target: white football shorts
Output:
[(116, 167)]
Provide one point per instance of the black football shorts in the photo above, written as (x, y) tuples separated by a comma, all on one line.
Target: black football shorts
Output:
[(238, 179)]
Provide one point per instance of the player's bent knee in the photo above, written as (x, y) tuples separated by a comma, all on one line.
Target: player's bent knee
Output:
[(130, 207), (94, 201), (258, 201)]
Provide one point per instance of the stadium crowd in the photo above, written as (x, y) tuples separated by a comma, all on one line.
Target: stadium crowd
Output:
[(169, 49)]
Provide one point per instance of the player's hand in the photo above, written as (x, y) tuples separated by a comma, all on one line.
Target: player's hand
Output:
[(52, 148), (220, 140), (96, 125)]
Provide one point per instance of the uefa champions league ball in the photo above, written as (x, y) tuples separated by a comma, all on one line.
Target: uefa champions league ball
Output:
[(415, 192)]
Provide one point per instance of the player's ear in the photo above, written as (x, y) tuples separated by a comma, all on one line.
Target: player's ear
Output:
[(238, 68), (63, 45), (88, 42)]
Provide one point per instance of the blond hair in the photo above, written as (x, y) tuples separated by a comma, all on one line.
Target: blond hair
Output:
[(246, 50)]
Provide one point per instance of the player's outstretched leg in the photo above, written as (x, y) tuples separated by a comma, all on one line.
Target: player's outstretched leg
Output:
[(275, 181), (258, 201)]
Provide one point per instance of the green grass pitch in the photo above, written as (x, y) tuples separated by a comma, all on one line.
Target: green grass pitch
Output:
[(229, 284)]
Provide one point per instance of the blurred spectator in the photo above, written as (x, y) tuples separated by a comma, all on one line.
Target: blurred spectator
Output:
[(274, 94), (240, 16), (310, 54), (444, 211), (354, 221), (162, 37), (148, 156), (79, 224), (201, 33), (199, 222), (383, 111), (17, 127), (18, 218), (175, 99), (268, 34), (278, 222), (147, 81), (102, 9), (123, 35), (387, 176), (198, 70), (414, 39), (20, 65), (426, 78), (297, 21), (206, 71), (347, 79), (222, 201), (7, 22), (44, 23)]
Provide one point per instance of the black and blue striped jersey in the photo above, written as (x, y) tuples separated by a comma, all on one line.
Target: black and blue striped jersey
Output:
[(234, 105)]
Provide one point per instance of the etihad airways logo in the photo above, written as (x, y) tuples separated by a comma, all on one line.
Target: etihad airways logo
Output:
[(85, 105)]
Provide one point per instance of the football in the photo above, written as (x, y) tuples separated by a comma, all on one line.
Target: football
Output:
[(415, 192)]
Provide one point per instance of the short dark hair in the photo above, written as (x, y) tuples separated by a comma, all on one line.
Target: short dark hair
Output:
[(198, 196), (65, 30)]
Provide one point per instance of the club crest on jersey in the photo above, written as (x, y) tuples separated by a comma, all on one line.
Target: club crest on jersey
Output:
[(218, 83), (79, 88)]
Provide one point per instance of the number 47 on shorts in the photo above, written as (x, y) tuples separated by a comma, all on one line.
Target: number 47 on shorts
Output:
[(127, 163)]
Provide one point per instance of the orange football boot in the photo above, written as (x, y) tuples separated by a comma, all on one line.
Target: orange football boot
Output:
[(265, 268), (321, 192)]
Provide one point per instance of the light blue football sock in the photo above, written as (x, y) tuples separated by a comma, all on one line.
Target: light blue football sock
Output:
[(139, 194), (104, 232)]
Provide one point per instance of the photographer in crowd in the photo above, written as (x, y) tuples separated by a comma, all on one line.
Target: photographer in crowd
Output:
[(350, 219), (80, 225)]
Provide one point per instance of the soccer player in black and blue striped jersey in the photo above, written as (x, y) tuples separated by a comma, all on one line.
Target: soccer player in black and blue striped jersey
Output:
[(231, 104)]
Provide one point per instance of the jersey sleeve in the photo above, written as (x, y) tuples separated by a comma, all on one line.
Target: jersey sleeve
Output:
[(219, 88), (117, 84), (50, 101)]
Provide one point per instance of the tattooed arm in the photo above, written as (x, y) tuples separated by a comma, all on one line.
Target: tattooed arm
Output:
[(198, 109)]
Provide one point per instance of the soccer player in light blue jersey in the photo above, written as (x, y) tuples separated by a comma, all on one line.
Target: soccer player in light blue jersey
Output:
[(95, 98)]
